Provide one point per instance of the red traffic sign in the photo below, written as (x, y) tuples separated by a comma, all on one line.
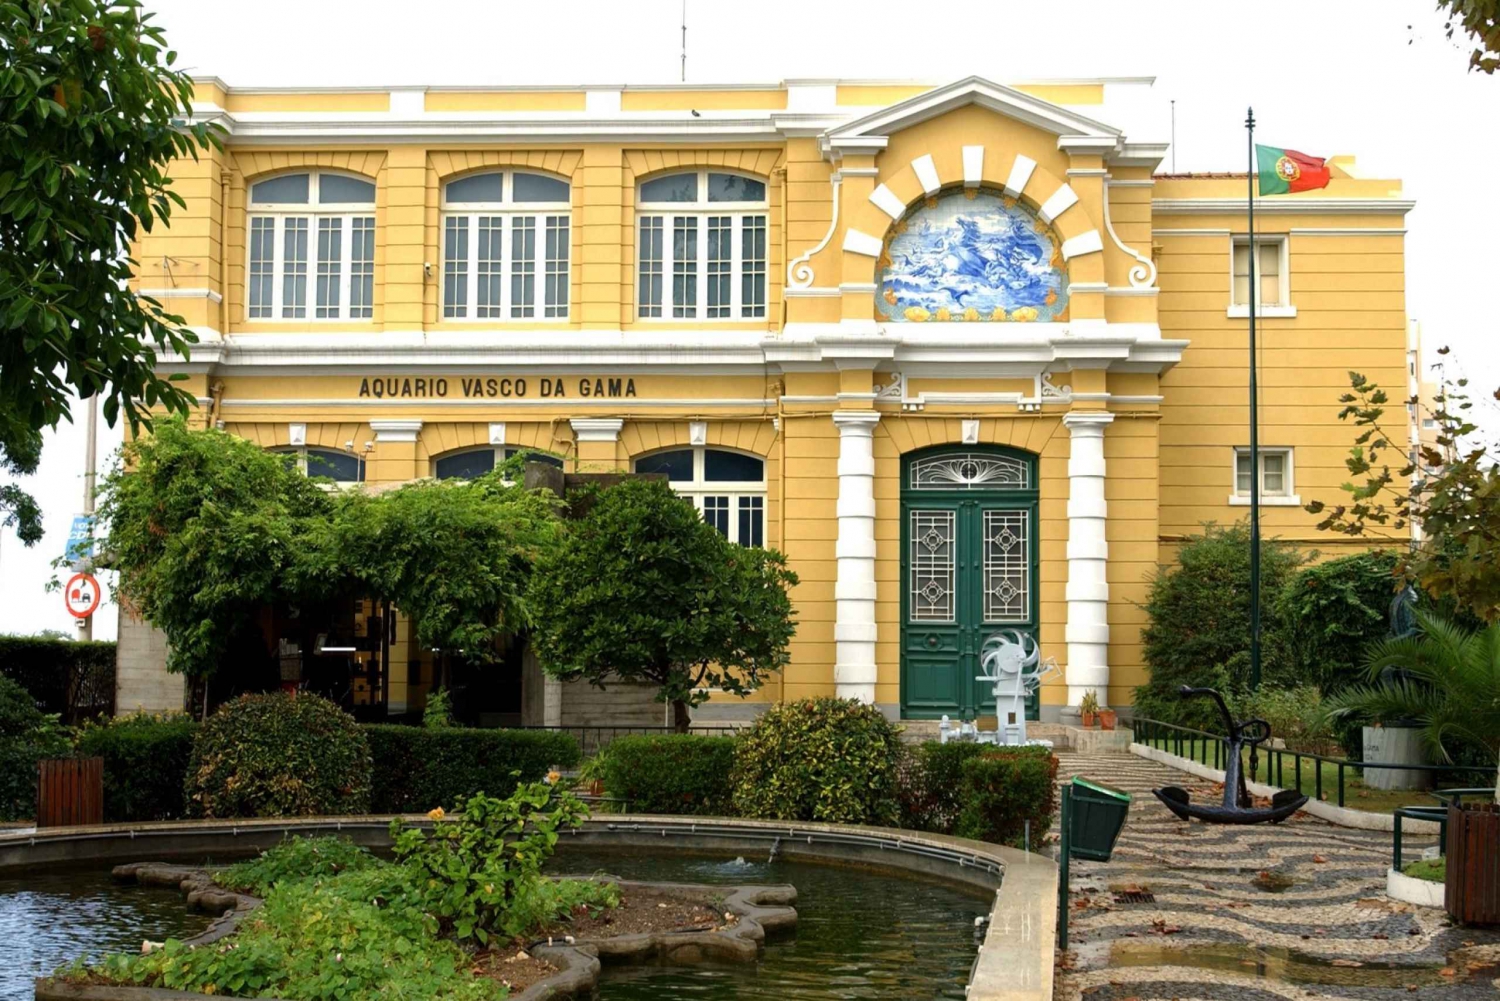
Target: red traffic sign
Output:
[(81, 595)]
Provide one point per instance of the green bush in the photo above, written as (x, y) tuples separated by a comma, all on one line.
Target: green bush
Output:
[(279, 755), (831, 760), (296, 858), (671, 773), (75, 680), (1002, 790), (419, 768), (145, 760), (1199, 629), (26, 735), (1296, 716), (931, 784), (1332, 611)]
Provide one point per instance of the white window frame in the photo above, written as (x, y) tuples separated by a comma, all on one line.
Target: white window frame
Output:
[(508, 212), (701, 211), (1280, 309), (1286, 497), (300, 451), (700, 487), (348, 215)]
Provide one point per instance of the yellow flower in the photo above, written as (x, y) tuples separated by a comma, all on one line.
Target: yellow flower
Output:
[(943, 316), (1024, 314), (971, 314), (436, 813), (916, 314), (553, 777)]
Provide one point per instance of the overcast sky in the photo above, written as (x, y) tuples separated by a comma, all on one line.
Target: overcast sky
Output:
[(1372, 78)]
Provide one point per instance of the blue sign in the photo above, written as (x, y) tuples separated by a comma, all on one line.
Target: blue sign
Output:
[(80, 540)]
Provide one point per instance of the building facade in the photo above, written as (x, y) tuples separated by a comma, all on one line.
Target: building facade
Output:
[(959, 351)]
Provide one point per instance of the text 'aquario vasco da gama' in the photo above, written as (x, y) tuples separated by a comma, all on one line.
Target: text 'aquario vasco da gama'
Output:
[(495, 387)]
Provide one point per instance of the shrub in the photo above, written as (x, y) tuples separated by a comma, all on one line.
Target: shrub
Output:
[(279, 755), (26, 735), (421, 768), (438, 713), (1199, 629), (825, 759), (931, 784), (145, 759), (1332, 611), (1002, 790), (671, 773), (296, 858), (75, 680), (1295, 714)]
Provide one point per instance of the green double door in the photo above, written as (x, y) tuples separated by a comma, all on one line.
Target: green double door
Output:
[(969, 570)]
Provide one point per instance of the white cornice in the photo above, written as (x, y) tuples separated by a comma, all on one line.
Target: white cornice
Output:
[(1275, 205)]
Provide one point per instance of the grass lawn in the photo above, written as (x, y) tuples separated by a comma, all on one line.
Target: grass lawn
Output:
[(1433, 870)]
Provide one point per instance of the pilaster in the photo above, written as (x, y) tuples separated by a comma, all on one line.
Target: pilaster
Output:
[(1087, 592), (598, 442), (395, 458), (854, 627)]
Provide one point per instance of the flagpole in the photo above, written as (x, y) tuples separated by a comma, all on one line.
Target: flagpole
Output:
[(1254, 422)]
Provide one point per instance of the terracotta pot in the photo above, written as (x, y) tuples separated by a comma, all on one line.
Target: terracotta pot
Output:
[(596, 787), (1090, 720), (1107, 719)]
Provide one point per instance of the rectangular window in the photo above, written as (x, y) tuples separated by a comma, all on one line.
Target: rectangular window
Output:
[(649, 254), (685, 266), (1275, 475), (488, 268), (456, 266), (294, 267), (556, 268), (362, 268), (523, 265), (330, 256), (932, 566), (753, 267), (752, 526), (716, 513), (720, 264), (1268, 272), (262, 266)]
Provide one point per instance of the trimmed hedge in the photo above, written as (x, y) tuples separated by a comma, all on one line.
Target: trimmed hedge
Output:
[(145, 761), (74, 680), (677, 773), (417, 768), (1002, 790)]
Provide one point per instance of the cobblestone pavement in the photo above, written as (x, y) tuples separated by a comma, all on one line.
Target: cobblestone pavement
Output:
[(1258, 913)]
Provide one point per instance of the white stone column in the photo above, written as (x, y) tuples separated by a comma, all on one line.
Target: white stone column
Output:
[(854, 592), (1088, 557)]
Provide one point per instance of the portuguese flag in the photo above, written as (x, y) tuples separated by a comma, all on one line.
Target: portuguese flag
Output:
[(1286, 170)]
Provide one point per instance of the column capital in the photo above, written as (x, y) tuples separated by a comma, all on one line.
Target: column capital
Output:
[(1086, 422), (405, 430), (856, 422), (597, 428)]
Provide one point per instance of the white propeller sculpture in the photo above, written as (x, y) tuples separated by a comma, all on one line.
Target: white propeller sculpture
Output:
[(1013, 665)]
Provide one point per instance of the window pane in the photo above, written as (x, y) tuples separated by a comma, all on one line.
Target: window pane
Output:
[(650, 257), (336, 189), (523, 265), (716, 513), (456, 266), (678, 464), (1273, 472), (294, 267), (556, 301), (733, 188), (932, 566), (362, 267), (752, 519), (288, 189), (476, 188), (719, 467), (685, 266), (672, 188), (330, 259), (542, 457), (465, 465), (535, 188), (1269, 258), (753, 266), (720, 263), (1242, 473), (262, 265), (341, 467), (489, 267), (1241, 290)]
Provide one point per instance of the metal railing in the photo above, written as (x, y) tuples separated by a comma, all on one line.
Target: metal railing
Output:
[(1435, 814), (593, 739), (1204, 747)]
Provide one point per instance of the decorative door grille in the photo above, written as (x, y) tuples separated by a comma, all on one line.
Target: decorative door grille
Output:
[(970, 471), (932, 566), (1007, 566)]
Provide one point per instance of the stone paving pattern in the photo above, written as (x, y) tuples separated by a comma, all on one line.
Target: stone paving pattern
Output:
[(1257, 913)]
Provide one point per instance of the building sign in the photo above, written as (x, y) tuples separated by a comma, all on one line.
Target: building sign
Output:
[(496, 387), (80, 548)]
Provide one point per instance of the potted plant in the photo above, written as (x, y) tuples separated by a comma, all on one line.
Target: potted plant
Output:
[(1107, 718), (591, 775), (1089, 709)]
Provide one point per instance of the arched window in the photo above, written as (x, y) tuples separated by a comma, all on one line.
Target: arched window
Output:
[(312, 226), (505, 246), (340, 467), (475, 462), (728, 488), (702, 247)]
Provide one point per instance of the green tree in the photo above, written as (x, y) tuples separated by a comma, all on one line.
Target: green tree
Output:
[(1452, 491), (1480, 20), (90, 116), (1451, 687), (1331, 611), (1199, 633), (642, 589)]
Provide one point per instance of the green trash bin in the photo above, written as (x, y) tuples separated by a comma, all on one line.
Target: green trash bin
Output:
[(1098, 815)]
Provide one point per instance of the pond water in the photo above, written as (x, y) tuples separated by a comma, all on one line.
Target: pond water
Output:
[(50, 917), (860, 934)]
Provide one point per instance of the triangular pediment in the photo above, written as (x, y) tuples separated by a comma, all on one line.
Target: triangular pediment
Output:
[(871, 130)]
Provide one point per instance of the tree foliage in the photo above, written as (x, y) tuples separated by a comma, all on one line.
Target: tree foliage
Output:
[(642, 589), (1451, 490), (90, 117), (1331, 611), (1480, 20)]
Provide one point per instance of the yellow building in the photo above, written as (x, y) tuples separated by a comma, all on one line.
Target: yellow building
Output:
[(958, 351)]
